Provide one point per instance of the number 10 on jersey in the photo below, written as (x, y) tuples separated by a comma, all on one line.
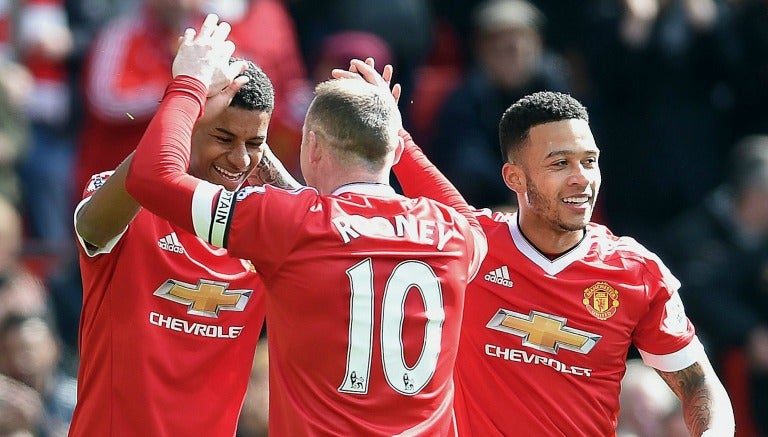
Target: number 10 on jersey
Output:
[(408, 276)]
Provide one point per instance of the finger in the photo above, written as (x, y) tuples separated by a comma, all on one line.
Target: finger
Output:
[(209, 25), (221, 31), (352, 66), (227, 50), (189, 36), (235, 69), (387, 73), (338, 73), (397, 91), (368, 72), (370, 62), (235, 86)]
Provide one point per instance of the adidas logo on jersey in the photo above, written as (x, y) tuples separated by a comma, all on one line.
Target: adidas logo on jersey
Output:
[(170, 243), (499, 276)]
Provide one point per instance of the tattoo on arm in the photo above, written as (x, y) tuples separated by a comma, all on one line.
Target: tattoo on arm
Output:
[(691, 387), (271, 171)]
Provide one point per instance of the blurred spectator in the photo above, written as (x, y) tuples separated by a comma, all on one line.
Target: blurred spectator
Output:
[(719, 250), (648, 407), (510, 61), (406, 26), (264, 31), (125, 74), (21, 409), (660, 69), (20, 290), (43, 44), (15, 86), (254, 415), (29, 353), (335, 51)]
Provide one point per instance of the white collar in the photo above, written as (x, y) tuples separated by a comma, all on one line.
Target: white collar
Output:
[(552, 267), (374, 188)]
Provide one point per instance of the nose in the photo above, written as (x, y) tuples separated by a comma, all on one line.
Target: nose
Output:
[(580, 176), (239, 157)]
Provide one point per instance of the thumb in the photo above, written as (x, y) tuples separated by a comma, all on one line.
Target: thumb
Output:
[(235, 86), (236, 68)]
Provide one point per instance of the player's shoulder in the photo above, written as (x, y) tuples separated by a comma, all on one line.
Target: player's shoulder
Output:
[(491, 219), (610, 243), (628, 249), (276, 192)]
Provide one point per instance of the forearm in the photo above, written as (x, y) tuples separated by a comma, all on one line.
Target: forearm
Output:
[(157, 177), (707, 409), (270, 170)]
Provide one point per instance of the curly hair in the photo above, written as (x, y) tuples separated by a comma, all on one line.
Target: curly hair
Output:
[(532, 110), (257, 94)]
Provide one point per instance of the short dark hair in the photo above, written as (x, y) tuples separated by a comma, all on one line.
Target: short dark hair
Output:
[(357, 118), (256, 95), (532, 110)]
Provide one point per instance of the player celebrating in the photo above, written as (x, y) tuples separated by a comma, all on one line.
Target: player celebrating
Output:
[(558, 302), (169, 323), (365, 286)]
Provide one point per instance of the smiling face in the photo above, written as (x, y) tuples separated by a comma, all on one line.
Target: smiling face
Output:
[(226, 149), (557, 178)]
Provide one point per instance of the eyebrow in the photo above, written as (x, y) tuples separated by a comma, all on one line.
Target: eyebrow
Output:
[(257, 137), (566, 152)]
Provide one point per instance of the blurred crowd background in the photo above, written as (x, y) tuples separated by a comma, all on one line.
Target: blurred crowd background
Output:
[(676, 89)]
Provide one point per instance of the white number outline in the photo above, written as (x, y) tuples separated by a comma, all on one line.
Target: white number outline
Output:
[(405, 276)]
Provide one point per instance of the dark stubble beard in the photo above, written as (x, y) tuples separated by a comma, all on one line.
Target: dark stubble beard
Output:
[(548, 211)]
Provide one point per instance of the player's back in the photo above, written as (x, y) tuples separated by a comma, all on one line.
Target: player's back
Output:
[(364, 309)]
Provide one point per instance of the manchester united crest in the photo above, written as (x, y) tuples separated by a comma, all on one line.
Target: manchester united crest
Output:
[(601, 300)]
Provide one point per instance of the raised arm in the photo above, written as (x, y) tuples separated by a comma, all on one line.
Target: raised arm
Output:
[(203, 79), (706, 406)]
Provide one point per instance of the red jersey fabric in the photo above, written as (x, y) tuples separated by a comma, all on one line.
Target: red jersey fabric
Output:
[(544, 342), (365, 287), (167, 334), (364, 307)]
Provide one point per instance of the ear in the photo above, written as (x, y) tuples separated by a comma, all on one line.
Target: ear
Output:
[(513, 177), (313, 147), (399, 149)]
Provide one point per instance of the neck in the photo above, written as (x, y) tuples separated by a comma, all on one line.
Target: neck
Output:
[(547, 240), (342, 178)]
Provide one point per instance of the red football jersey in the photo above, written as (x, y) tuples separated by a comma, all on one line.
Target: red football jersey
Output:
[(364, 303), (544, 342), (168, 331), (365, 287)]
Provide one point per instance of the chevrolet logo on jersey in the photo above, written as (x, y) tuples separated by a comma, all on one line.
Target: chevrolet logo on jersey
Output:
[(206, 298), (544, 332)]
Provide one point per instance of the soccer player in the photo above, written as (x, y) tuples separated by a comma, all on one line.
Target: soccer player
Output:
[(558, 301), (169, 323), (365, 287)]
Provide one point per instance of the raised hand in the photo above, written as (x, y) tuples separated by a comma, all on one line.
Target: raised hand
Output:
[(366, 70), (205, 55)]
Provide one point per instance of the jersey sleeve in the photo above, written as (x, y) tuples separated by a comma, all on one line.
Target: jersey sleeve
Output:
[(157, 177), (665, 336), (420, 178), (93, 184), (259, 223)]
